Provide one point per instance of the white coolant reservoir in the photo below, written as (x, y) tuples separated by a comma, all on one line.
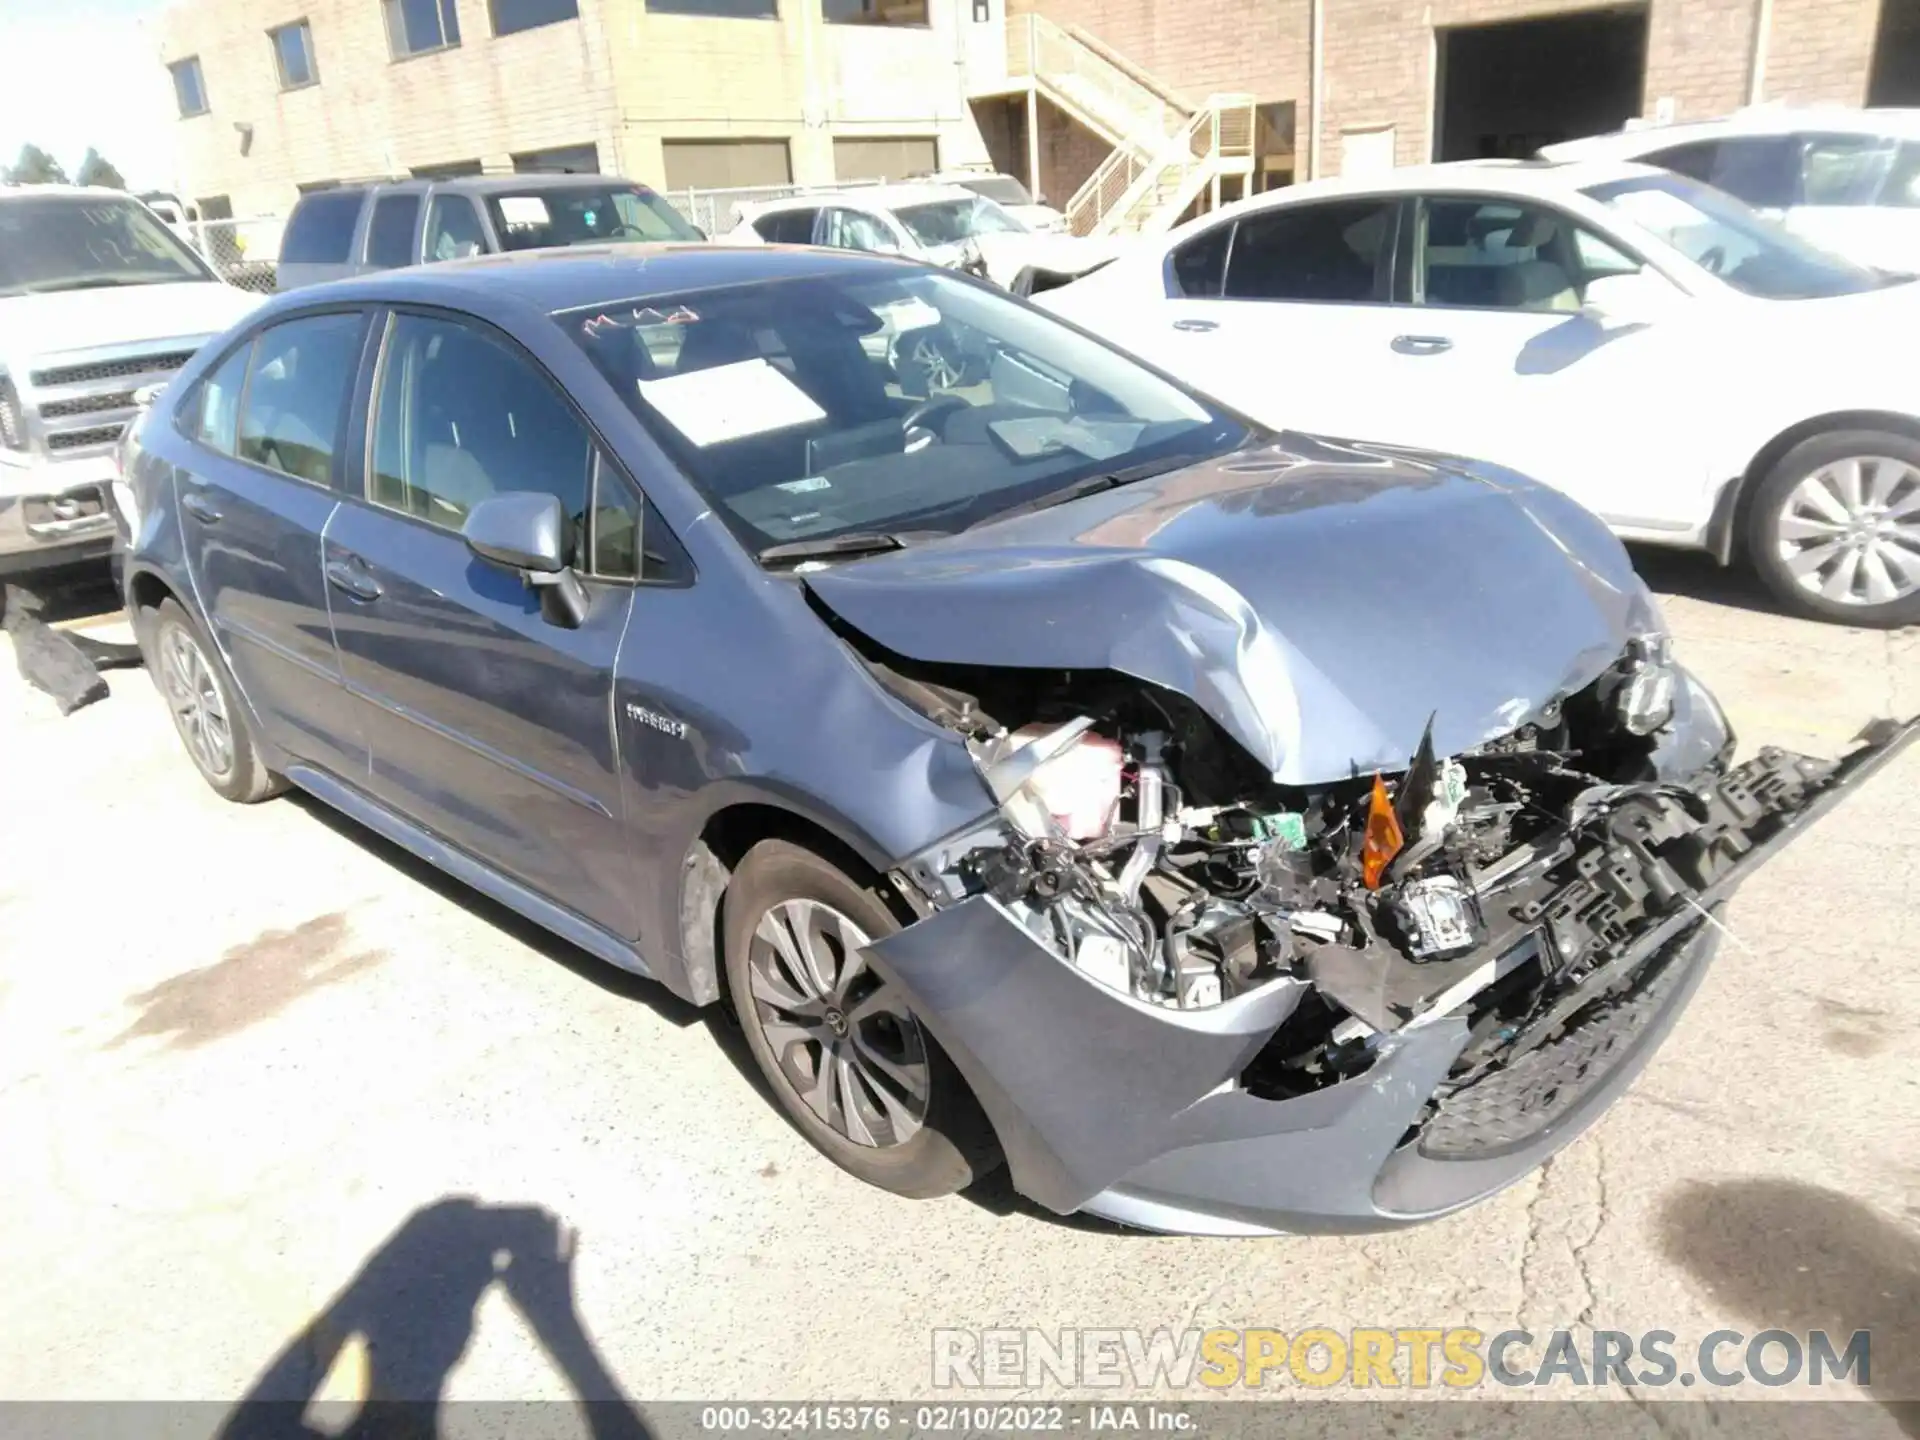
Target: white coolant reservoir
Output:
[(1079, 787)]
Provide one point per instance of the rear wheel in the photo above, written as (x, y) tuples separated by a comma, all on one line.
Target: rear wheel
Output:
[(213, 725), (1834, 528), (846, 1056)]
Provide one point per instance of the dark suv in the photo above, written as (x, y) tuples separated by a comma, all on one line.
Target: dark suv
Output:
[(1235, 831), (383, 225)]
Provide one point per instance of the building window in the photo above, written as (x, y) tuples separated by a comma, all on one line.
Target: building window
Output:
[(293, 54), (512, 16), (725, 164), (885, 157), (566, 160), (189, 90), (717, 9), (874, 12), (416, 27), (447, 170)]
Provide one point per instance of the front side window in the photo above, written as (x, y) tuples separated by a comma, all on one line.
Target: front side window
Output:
[(189, 89), (85, 242), (453, 229), (953, 222), (877, 398), (510, 16), (845, 229), (293, 55), (1506, 255), (1337, 253), (1725, 238), (585, 215), (460, 416), (1846, 169), (296, 395), (390, 231), (415, 27)]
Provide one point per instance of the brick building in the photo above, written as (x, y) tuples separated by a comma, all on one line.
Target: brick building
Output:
[(277, 95), (1350, 84)]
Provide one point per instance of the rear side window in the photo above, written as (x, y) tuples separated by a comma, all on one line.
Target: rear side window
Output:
[(296, 395), (211, 415), (1758, 170), (321, 229), (1332, 253), (390, 232), (787, 227), (1694, 161), (453, 229), (1200, 265)]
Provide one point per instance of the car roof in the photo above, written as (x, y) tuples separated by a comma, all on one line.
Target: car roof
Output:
[(10, 191), (872, 197), (516, 184), (570, 278), (1760, 120)]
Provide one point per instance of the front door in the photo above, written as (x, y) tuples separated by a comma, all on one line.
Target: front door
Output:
[(489, 723), (256, 495)]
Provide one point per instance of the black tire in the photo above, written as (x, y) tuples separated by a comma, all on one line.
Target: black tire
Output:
[(168, 634), (953, 1144), (1767, 510)]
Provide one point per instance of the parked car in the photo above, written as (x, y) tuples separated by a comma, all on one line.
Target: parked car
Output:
[(1693, 374), (1062, 768), (938, 224), (1848, 180), (98, 301), (1008, 193), (353, 229)]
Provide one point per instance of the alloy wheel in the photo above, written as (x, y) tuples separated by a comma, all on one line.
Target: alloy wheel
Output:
[(940, 370), (840, 1035), (1850, 531), (199, 709)]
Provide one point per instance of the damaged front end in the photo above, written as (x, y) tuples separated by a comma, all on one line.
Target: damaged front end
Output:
[(1193, 998)]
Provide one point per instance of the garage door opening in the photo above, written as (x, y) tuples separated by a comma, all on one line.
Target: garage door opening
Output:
[(1896, 55), (1505, 90)]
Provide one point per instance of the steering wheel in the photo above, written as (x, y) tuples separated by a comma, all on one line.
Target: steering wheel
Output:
[(915, 421), (1713, 258), (624, 231)]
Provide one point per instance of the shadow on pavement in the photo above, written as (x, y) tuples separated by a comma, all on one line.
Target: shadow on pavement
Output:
[(1801, 1258), (1697, 575), (411, 1309)]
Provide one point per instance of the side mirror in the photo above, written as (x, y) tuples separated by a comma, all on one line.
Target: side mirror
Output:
[(528, 532)]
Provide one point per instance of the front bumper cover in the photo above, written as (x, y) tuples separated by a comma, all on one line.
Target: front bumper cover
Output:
[(54, 514), (1133, 1111)]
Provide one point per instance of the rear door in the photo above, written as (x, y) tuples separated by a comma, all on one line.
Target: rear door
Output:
[(255, 501), (489, 724), (1284, 314)]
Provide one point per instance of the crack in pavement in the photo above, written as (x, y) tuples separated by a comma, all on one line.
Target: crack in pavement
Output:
[(1580, 1248), (1530, 1244)]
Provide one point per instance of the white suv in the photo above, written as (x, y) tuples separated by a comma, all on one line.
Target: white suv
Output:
[(1849, 180), (1693, 374), (98, 301)]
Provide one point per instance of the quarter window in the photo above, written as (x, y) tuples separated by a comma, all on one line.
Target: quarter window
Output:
[(459, 417), (1338, 252), (1200, 265), (296, 395), (189, 89), (417, 26), (215, 410), (293, 55), (1846, 169), (390, 232)]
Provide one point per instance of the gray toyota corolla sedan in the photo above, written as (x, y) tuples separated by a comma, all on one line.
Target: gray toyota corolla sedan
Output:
[(1231, 831)]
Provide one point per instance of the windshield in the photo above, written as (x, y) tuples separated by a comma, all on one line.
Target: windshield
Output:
[(76, 242), (949, 222), (584, 215), (1001, 188), (876, 398), (1721, 235)]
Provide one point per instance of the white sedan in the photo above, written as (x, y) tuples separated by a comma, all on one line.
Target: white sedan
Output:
[(1693, 374)]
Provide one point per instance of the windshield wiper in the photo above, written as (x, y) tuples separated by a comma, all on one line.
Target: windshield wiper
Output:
[(847, 542), (1088, 485)]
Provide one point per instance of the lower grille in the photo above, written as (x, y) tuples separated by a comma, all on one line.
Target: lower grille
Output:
[(61, 440), (87, 404), (89, 372), (1511, 1105)]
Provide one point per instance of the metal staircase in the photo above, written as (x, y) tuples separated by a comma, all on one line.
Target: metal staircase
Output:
[(1166, 153)]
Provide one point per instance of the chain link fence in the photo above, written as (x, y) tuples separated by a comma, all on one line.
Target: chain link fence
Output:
[(242, 252), (718, 211)]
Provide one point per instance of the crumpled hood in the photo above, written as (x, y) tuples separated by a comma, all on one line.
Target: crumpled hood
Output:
[(1320, 600), (35, 326)]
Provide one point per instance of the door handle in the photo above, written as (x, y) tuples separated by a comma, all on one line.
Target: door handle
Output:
[(1196, 324), (352, 577), (1421, 344), (200, 507)]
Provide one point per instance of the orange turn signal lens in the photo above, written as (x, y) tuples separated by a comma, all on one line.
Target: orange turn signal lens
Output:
[(1383, 839)]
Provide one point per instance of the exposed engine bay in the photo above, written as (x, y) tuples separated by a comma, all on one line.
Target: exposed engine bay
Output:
[(1516, 883)]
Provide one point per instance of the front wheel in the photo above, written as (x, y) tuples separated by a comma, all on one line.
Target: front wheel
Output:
[(846, 1056), (1834, 528), (213, 725)]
